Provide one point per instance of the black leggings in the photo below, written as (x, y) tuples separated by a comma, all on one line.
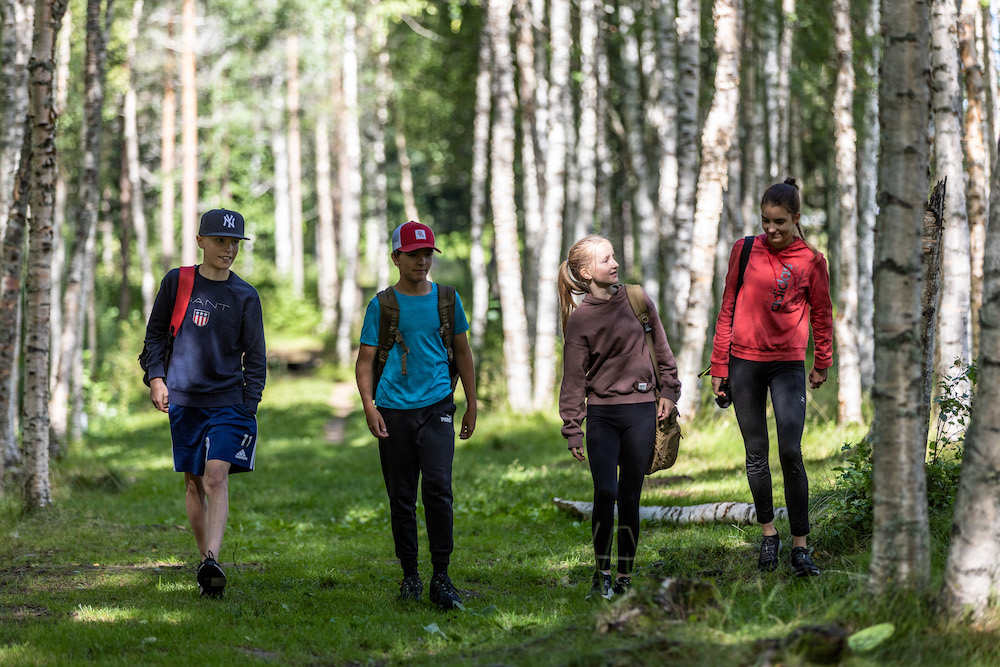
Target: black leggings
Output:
[(619, 445), (749, 382)]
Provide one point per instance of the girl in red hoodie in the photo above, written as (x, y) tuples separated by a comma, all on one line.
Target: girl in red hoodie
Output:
[(760, 344), (609, 380)]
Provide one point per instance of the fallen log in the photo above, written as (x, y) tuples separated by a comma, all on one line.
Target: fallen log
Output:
[(726, 512)]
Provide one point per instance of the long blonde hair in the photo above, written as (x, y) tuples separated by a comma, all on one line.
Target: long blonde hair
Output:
[(580, 257)]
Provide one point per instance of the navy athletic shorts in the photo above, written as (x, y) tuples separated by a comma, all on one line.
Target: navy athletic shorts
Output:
[(197, 434)]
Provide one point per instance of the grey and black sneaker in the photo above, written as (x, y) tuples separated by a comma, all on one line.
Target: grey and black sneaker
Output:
[(803, 564), (622, 585), (602, 586), (443, 592), (770, 547), (211, 578), (411, 588)]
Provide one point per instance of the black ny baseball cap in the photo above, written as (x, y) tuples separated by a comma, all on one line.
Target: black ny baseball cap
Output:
[(221, 222)]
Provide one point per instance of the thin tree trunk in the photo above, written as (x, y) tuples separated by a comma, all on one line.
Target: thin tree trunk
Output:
[(846, 324), (931, 245), (64, 49), (666, 133), (189, 137), (517, 367), (37, 488), (975, 157), (584, 222), (295, 167), (326, 249), (282, 203), (719, 129), (405, 173), (954, 330), (689, 65), (135, 177), (984, 41), (740, 514), (168, 139), (478, 185), (560, 129), (972, 572), (771, 45), (350, 184), (900, 536), (124, 226), (15, 47), (867, 205), (784, 84), (377, 245)]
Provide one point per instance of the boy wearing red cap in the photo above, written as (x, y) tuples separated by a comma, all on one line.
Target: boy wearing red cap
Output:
[(214, 382), (411, 410)]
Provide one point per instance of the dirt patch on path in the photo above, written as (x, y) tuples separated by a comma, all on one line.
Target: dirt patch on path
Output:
[(343, 399)]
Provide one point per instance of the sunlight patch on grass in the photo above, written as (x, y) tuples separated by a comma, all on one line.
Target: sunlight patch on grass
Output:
[(86, 613), (517, 473)]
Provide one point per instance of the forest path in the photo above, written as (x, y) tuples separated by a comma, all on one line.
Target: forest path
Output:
[(343, 400)]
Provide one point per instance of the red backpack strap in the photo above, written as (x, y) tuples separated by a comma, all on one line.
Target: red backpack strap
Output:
[(184, 287)]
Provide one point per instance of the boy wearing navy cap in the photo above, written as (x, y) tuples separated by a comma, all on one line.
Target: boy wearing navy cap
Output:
[(214, 381), (411, 408)]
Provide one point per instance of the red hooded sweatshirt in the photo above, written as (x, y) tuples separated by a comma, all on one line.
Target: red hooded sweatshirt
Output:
[(784, 292)]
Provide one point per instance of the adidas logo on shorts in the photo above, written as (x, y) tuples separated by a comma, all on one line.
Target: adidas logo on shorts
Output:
[(241, 455)]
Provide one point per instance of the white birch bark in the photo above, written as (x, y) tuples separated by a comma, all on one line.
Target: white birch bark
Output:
[(138, 200), (350, 185), (867, 204), (15, 47), (642, 194), (478, 185), (771, 46), (741, 514), (712, 181), (282, 203), (586, 141), (845, 140), (405, 173), (377, 231), (984, 32), (189, 135), (665, 123), (326, 249), (295, 166), (689, 85), (559, 131), (972, 572), (975, 157), (37, 486), (168, 142), (784, 83), (63, 52), (900, 536), (517, 366), (954, 328)]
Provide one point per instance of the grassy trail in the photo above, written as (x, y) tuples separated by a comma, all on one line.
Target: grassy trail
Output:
[(107, 574)]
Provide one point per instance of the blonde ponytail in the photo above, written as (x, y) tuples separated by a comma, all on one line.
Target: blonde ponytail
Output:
[(579, 257)]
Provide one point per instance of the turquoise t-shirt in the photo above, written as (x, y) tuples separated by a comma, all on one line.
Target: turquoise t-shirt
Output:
[(427, 380)]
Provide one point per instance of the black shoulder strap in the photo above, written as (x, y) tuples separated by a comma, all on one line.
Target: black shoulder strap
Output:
[(744, 258), (388, 333)]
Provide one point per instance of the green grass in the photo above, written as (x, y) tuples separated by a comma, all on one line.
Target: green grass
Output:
[(106, 575)]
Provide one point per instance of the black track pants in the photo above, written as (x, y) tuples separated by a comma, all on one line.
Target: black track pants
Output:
[(749, 382), (420, 442), (620, 442)]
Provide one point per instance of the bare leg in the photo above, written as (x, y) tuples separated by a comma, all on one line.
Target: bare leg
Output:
[(216, 483), (194, 503)]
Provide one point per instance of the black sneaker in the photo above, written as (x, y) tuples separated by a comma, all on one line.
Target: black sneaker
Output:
[(770, 547), (622, 585), (443, 592), (602, 586), (411, 588), (803, 564), (211, 578)]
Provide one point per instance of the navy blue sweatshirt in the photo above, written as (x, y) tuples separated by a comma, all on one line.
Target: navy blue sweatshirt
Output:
[(218, 357)]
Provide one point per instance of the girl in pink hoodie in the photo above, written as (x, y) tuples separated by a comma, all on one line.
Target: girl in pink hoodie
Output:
[(761, 337)]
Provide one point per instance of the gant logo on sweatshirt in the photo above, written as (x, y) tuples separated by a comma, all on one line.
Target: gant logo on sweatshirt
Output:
[(200, 317)]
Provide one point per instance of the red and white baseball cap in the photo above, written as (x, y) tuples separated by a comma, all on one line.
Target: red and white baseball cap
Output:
[(411, 236)]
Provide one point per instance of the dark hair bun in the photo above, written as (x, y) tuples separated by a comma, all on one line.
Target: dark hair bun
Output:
[(791, 181)]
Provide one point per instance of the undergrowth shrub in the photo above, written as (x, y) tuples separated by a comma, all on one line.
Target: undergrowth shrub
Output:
[(846, 511)]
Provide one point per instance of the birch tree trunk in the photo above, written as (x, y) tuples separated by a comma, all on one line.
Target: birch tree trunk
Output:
[(138, 208), (954, 331), (846, 324), (560, 129), (689, 65), (712, 181), (377, 245), (771, 45), (68, 382), (15, 48), (326, 249), (586, 141), (517, 366), (189, 136), (350, 185), (867, 205), (666, 127), (405, 173), (784, 84), (478, 184), (740, 514), (975, 157), (295, 166), (63, 52), (37, 488), (168, 140), (282, 201), (933, 225), (972, 572), (984, 41), (900, 536)]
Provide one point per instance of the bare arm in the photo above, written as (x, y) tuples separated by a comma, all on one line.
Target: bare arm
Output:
[(467, 373), (363, 376)]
